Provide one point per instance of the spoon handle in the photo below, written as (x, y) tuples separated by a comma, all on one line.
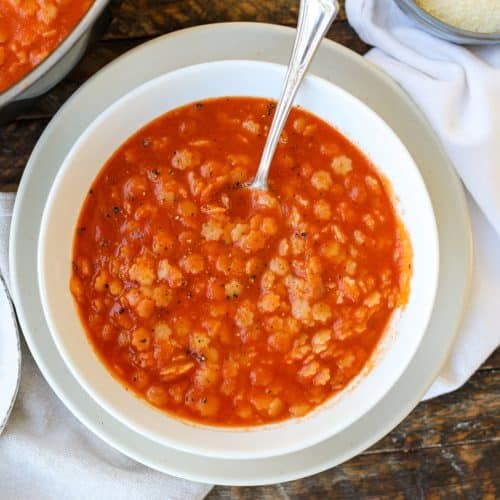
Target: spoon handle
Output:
[(315, 17)]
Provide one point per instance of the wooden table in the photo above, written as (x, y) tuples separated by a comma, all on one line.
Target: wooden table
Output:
[(448, 447)]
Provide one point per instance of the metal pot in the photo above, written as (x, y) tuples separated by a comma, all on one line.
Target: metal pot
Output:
[(57, 65)]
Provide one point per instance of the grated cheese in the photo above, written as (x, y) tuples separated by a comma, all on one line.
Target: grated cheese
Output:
[(481, 16)]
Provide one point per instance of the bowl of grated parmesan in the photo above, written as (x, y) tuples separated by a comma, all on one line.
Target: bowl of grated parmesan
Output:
[(460, 21)]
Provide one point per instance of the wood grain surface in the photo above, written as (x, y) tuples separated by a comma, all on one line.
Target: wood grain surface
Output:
[(448, 447)]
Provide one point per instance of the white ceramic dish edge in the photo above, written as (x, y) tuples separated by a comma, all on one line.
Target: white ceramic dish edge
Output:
[(10, 355)]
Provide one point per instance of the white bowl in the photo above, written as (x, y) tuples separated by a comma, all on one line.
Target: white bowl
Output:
[(232, 78)]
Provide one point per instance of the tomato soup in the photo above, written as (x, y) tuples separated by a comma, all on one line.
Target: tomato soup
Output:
[(30, 30), (227, 306)]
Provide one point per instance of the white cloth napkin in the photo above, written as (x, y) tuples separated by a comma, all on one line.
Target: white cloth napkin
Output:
[(458, 89), (46, 453)]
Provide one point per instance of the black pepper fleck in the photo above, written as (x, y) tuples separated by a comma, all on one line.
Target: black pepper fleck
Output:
[(270, 108)]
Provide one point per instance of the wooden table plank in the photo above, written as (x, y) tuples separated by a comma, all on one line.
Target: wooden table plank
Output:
[(493, 362), (447, 447), (152, 17), (17, 140), (147, 18), (437, 472), (468, 416)]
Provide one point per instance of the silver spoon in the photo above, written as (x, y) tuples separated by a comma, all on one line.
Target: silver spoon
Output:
[(315, 17)]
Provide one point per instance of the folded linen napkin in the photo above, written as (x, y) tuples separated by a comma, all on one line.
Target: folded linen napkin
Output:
[(46, 453), (458, 89)]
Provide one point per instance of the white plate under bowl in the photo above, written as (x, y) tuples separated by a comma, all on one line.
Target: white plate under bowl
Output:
[(349, 71), (178, 88)]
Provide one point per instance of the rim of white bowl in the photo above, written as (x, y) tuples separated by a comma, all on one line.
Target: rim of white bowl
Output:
[(172, 440)]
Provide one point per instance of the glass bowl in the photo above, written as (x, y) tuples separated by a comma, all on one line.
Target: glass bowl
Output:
[(446, 31)]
